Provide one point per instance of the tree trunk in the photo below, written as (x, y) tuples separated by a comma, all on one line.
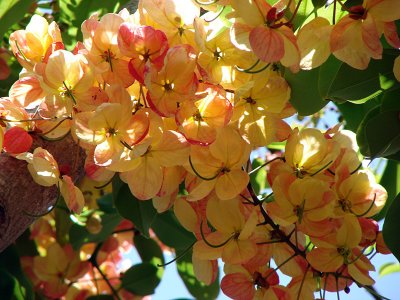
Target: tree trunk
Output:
[(21, 197)]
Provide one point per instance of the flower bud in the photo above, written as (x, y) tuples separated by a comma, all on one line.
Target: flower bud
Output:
[(93, 224)]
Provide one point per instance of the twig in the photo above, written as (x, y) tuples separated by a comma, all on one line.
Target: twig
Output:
[(94, 263)]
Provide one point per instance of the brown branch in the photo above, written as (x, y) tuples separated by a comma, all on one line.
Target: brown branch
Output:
[(275, 227), (93, 261), (20, 195)]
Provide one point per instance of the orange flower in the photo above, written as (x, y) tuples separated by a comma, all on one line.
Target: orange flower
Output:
[(66, 79), (1, 138), (313, 40), (27, 91), (233, 233), (355, 39), (343, 252), (220, 166), (218, 55), (100, 38), (260, 106), (174, 17), (261, 28), (58, 268), (199, 120), (242, 283), (112, 127), (142, 44), (176, 82), (303, 201), (309, 152), (145, 176), (30, 45), (12, 112), (358, 193)]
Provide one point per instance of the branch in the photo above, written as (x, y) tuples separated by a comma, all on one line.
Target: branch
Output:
[(93, 261), (19, 193), (373, 292), (274, 226)]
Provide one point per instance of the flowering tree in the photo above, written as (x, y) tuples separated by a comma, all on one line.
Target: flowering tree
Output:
[(166, 128)]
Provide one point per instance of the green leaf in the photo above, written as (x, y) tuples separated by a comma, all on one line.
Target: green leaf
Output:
[(10, 262), (10, 287), (390, 180), (12, 11), (350, 84), (328, 71), (25, 246), (78, 235), (319, 3), (326, 11), (362, 140), (383, 134), (170, 231), (350, 3), (106, 204), (196, 288), (353, 114), (337, 81), (258, 179), (280, 146), (395, 156), (182, 189), (149, 251), (141, 279), (74, 12), (140, 213), (63, 222), (391, 227), (389, 268), (117, 183), (390, 100), (306, 101), (305, 10)]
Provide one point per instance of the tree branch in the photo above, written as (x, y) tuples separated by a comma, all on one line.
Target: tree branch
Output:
[(20, 195)]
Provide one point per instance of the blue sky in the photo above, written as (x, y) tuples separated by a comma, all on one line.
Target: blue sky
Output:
[(172, 287)]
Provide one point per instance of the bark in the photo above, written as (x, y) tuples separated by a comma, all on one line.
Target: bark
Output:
[(20, 196)]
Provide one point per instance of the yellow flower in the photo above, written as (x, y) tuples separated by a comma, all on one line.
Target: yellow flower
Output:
[(233, 230), (30, 45), (146, 177), (219, 166), (302, 201), (343, 251), (112, 128), (359, 194), (309, 152), (58, 268), (44, 170)]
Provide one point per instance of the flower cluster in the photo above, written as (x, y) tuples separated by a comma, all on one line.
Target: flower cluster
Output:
[(314, 225), (178, 95)]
